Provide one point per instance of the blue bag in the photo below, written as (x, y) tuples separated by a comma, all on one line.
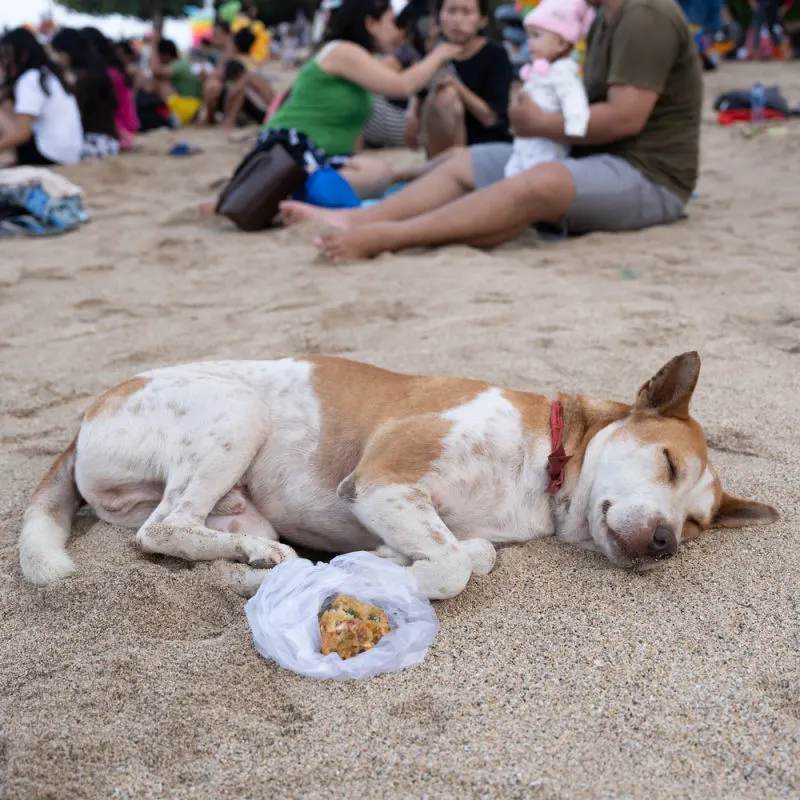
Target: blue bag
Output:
[(325, 187)]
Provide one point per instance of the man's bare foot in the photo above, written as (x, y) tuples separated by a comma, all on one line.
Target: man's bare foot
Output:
[(294, 212), (365, 241)]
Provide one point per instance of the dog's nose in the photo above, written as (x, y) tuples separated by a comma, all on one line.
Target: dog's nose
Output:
[(664, 542)]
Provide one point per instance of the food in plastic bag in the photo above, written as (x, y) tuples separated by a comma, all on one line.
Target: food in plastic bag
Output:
[(348, 627), (284, 615)]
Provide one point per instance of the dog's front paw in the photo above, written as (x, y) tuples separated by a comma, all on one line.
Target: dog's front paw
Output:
[(264, 554)]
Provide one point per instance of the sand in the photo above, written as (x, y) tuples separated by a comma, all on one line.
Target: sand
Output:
[(556, 676)]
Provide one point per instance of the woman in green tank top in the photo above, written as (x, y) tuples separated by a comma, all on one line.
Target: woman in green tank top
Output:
[(331, 100)]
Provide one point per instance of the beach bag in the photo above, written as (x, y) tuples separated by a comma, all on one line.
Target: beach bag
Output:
[(284, 615), (268, 175), (739, 100), (328, 189)]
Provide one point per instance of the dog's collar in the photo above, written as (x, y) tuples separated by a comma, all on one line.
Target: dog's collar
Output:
[(557, 462)]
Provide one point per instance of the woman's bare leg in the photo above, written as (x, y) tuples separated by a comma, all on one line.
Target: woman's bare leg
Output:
[(487, 217), (262, 87), (212, 91), (411, 173), (369, 177), (442, 122), (452, 179)]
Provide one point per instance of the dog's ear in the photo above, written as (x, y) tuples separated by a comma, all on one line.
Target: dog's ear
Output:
[(669, 391), (735, 512)]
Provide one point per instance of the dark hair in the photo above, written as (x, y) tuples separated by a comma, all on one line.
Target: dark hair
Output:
[(21, 48), (222, 24), (106, 51), (205, 42), (483, 7), (126, 47), (87, 65), (348, 22), (233, 70), (243, 40), (166, 47)]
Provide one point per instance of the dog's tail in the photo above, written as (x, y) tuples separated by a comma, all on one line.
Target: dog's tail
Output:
[(48, 520)]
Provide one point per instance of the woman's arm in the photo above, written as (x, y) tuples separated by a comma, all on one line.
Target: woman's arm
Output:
[(355, 64), (19, 132), (393, 62), (412, 123), (474, 105), (486, 99)]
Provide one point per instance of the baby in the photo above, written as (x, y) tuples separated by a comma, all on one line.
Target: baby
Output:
[(552, 81)]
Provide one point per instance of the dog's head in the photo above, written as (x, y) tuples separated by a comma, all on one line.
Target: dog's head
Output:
[(647, 484)]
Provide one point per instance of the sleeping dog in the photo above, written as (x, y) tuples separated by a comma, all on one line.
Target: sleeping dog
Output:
[(223, 460)]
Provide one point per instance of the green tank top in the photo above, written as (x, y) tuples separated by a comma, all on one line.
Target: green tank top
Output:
[(330, 110)]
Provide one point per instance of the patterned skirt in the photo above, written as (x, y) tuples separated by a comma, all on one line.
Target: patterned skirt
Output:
[(99, 145)]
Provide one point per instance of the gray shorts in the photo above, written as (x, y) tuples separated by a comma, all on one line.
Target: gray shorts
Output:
[(610, 194)]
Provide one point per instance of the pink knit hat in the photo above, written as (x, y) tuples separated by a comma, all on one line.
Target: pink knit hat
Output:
[(570, 19)]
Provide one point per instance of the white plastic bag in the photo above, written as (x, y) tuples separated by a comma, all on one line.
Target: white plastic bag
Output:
[(283, 615)]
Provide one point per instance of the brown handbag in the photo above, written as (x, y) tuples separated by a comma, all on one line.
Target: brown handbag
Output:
[(263, 180)]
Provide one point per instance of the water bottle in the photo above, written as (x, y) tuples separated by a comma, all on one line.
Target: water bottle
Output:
[(758, 104)]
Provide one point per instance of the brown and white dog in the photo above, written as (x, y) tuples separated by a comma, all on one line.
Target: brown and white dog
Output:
[(217, 460)]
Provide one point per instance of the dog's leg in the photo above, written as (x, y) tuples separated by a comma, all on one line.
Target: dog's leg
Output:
[(405, 518), (236, 513), (178, 526), (390, 554), (388, 496)]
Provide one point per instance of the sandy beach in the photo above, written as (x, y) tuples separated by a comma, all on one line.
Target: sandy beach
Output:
[(558, 676)]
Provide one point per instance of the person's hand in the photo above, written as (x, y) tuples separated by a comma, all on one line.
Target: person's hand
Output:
[(524, 116), (446, 80), (411, 132), (447, 51)]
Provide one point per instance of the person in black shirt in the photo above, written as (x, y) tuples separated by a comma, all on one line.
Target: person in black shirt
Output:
[(468, 102)]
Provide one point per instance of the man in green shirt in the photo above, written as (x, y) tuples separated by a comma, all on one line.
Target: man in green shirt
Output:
[(174, 75), (635, 167)]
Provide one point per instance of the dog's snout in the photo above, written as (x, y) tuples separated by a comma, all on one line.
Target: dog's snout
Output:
[(664, 542)]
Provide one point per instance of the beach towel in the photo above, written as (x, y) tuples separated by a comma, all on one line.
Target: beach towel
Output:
[(38, 202)]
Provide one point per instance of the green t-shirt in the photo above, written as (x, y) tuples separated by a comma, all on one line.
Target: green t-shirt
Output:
[(184, 81), (330, 110), (648, 44)]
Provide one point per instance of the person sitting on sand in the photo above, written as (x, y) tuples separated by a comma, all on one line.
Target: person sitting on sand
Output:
[(331, 102), (126, 118), (238, 89), (94, 92), (221, 40), (175, 80), (636, 166), (129, 58), (39, 116), (389, 124), (467, 103)]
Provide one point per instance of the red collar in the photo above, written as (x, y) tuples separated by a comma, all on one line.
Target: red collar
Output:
[(557, 461)]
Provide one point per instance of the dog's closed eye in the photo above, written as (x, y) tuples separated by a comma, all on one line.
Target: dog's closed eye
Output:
[(673, 470)]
